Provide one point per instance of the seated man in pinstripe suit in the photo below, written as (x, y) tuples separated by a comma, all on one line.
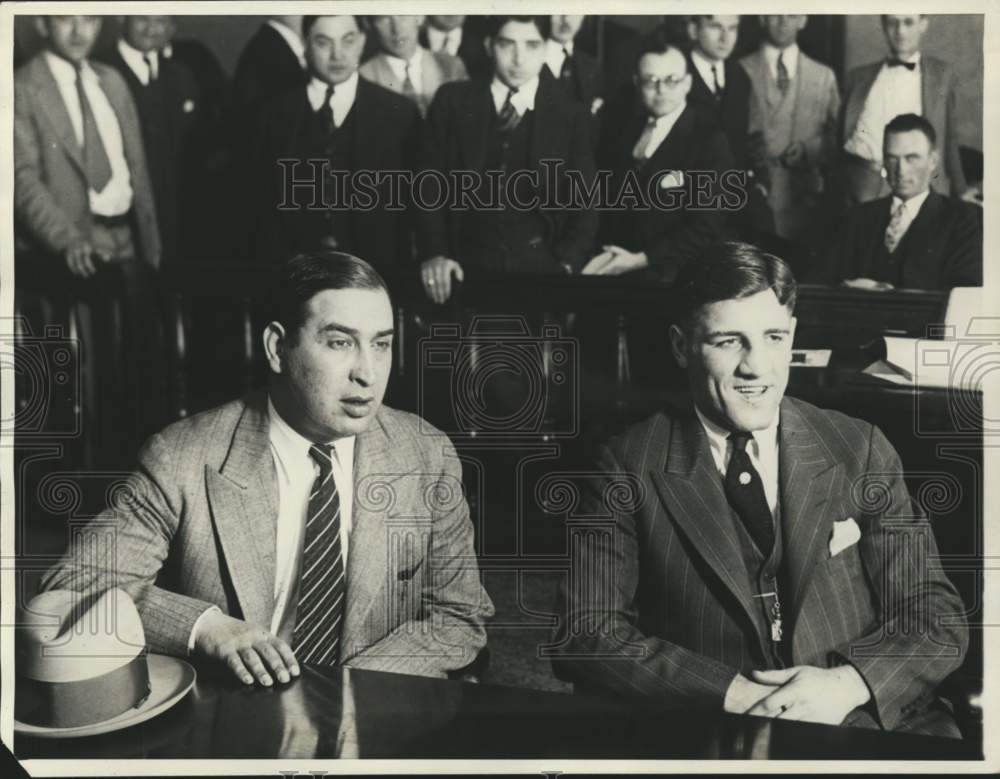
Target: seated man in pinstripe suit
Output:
[(305, 524), (767, 563)]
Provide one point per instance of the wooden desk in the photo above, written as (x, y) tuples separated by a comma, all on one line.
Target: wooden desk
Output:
[(334, 713)]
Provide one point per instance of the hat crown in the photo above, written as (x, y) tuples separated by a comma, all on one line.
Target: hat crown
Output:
[(66, 636)]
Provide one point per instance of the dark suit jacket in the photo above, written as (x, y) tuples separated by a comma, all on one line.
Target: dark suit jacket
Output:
[(456, 136), (51, 205), (200, 531), (266, 68), (695, 143), (587, 83), (386, 132), (167, 142), (670, 614), (942, 248), (732, 111), (938, 96)]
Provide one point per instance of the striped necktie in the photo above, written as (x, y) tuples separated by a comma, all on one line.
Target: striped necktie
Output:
[(894, 231), (508, 118), (322, 583), (784, 79)]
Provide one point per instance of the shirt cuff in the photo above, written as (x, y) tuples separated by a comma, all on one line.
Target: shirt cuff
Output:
[(197, 622)]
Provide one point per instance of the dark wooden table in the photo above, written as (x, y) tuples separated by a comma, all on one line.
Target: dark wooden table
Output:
[(334, 713)]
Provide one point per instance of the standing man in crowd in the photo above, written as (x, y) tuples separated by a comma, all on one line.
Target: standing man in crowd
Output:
[(660, 139), (349, 124), (744, 566), (459, 36), (576, 71), (257, 534), (169, 106), (406, 67), (272, 62), (914, 237), (906, 82), (83, 203), (510, 124), (795, 108)]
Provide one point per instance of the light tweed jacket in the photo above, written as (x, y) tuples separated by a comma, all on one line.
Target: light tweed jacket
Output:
[(669, 612), (197, 527)]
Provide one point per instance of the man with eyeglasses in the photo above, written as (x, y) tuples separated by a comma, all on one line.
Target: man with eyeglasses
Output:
[(671, 153)]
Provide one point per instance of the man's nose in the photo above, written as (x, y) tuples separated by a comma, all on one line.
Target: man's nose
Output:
[(363, 370), (754, 362)]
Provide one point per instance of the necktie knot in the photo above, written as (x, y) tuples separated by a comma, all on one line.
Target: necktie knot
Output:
[(740, 440), (148, 59), (322, 455)]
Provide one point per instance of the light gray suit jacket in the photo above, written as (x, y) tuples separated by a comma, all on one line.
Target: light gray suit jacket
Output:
[(436, 68), (197, 527), (51, 205), (938, 96)]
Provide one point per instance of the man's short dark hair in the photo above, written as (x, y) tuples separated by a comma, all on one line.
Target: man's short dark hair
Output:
[(660, 41), (904, 123), (729, 271), (299, 278), (309, 21), (494, 24)]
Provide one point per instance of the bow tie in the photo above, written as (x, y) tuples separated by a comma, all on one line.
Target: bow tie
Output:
[(894, 63)]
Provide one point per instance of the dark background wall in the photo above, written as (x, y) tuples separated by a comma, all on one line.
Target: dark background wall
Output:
[(957, 38)]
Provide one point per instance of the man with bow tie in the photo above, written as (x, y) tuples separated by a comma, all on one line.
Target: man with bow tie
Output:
[(905, 82), (751, 552), (511, 124), (310, 141)]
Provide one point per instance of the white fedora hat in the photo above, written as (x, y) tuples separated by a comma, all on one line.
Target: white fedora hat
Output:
[(82, 667)]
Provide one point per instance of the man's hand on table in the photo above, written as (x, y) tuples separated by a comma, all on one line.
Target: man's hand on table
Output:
[(863, 283), (742, 695), (249, 651), (811, 694)]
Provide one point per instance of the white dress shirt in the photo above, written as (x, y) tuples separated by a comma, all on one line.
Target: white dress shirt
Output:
[(136, 61), (789, 56), (661, 130), (341, 100), (911, 208), (116, 197), (555, 56), (762, 448), (292, 38), (415, 64), (523, 101), (704, 66), (296, 473), (439, 40), (896, 90)]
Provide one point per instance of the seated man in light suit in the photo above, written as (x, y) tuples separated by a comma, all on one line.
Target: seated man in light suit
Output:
[(304, 524), (769, 559), (406, 67)]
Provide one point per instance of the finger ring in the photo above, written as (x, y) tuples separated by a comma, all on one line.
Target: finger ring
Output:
[(784, 708)]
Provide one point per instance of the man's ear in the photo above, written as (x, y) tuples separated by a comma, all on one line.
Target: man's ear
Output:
[(274, 346), (791, 331), (41, 27), (679, 345), (488, 45), (692, 30), (935, 160)]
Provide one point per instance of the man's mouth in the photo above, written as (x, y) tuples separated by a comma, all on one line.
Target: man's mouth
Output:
[(752, 392)]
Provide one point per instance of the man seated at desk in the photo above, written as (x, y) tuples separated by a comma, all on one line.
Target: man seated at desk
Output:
[(304, 524), (764, 559), (914, 238)]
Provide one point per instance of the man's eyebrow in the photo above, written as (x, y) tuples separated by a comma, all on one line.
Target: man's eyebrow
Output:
[(740, 333), (330, 327)]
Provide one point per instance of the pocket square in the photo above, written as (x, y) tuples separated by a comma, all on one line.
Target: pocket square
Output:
[(672, 178), (845, 533)]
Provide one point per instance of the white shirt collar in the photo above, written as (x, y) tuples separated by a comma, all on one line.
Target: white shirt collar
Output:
[(913, 204), (398, 64), (292, 38), (523, 101), (915, 58), (790, 58), (294, 447), (705, 66), (342, 100), (718, 438), (136, 61), (666, 122), (64, 72), (439, 40)]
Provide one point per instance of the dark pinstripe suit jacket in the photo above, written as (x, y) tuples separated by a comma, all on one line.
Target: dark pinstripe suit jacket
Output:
[(660, 604)]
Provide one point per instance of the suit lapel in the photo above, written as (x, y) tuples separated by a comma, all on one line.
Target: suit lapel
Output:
[(858, 96), (804, 91), (431, 77), (670, 152), (920, 233), (367, 559), (243, 496), (807, 480), (691, 489), (51, 100), (366, 129)]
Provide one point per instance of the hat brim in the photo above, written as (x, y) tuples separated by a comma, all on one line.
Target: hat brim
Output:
[(170, 679)]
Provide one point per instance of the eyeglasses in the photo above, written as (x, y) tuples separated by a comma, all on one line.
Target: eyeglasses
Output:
[(652, 83)]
